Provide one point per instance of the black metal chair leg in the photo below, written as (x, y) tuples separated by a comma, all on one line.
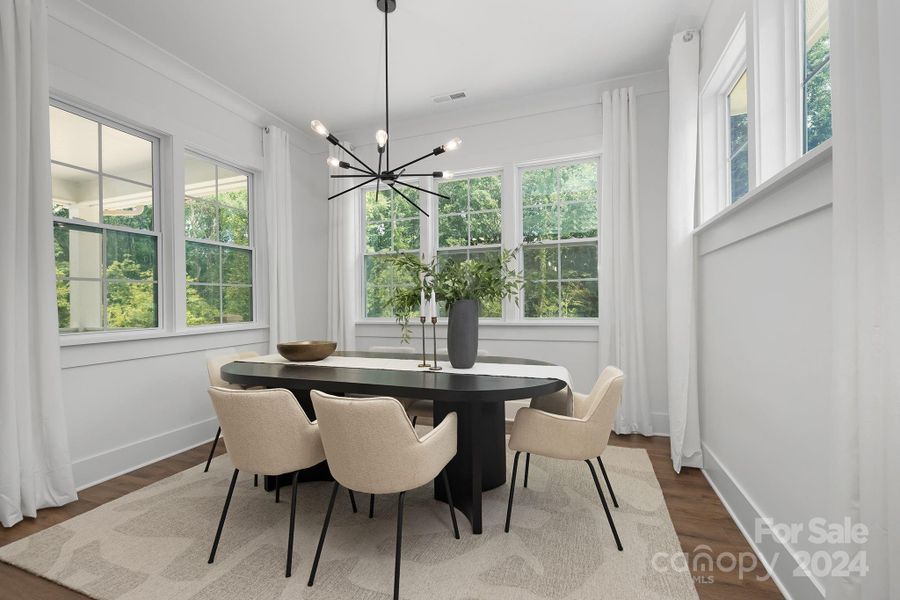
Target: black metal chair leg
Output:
[(399, 538), (290, 552), (215, 546), (371, 505), (612, 494), (450, 502), (312, 573), (527, 464), (277, 490), (512, 490), (213, 449), (256, 480), (415, 418), (352, 501), (605, 506)]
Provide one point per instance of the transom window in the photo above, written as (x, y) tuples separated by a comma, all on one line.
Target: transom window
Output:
[(218, 250), (469, 224), (105, 228), (816, 74), (560, 242), (391, 226), (738, 138)]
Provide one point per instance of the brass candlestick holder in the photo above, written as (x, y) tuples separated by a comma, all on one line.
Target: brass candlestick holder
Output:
[(436, 367), (424, 362)]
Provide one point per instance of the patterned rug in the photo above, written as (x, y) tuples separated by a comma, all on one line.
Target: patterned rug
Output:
[(153, 544)]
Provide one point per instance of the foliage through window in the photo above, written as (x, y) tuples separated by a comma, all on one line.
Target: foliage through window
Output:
[(560, 241), (816, 74), (105, 233), (392, 225), (218, 252), (469, 225), (738, 137)]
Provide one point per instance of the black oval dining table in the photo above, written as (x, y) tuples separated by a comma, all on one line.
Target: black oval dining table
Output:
[(478, 401)]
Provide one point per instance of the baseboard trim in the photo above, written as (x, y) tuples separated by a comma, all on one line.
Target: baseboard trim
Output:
[(91, 470), (744, 513)]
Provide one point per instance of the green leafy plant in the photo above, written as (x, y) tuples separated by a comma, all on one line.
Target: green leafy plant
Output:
[(490, 278)]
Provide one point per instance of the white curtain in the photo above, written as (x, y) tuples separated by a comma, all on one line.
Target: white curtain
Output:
[(621, 302), (681, 297), (35, 469), (279, 237), (343, 258), (865, 464)]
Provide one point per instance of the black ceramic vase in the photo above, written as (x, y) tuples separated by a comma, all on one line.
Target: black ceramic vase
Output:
[(462, 333)]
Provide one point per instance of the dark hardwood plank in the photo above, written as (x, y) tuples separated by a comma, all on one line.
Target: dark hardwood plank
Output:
[(697, 514)]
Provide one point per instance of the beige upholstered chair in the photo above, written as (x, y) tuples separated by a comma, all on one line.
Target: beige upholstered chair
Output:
[(214, 370), (372, 447), (583, 436), (268, 433)]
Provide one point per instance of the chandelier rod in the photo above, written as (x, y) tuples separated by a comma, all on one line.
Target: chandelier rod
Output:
[(387, 114)]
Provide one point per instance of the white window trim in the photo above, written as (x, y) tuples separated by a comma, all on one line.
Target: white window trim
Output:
[(715, 193), (163, 309), (252, 233)]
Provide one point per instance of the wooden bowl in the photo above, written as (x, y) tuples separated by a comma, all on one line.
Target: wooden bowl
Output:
[(308, 350)]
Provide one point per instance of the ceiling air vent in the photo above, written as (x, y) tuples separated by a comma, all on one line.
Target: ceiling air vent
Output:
[(449, 97)]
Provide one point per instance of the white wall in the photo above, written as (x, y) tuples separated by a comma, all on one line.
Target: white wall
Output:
[(133, 402), (542, 128)]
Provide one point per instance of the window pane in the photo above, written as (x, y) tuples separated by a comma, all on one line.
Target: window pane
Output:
[(578, 183), (452, 231), (406, 234), (378, 237), (203, 304), (77, 251), (127, 204), (818, 39), (738, 136), (234, 226), (131, 305), (378, 270), (202, 262), (490, 308), (130, 256), (444, 257), (818, 108), (127, 156), (378, 209), (402, 208), (539, 223), (200, 219), (578, 220), (199, 177), (62, 304), (236, 266), (541, 299), (233, 191), (579, 299), (485, 228), (578, 262), (539, 186), (75, 191), (485, 193), (85, 305), (458, 192), (74, 139), (377, 301), (237, 304), (541, 262)]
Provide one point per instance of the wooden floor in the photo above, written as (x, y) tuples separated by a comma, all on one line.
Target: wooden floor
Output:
[(699, 517)]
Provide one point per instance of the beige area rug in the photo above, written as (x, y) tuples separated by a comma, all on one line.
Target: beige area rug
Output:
[(153, 544)]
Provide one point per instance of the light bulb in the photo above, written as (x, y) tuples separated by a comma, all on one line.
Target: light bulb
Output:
[(442, 174), (333, 162), (452, 144), (319, 128), (381, 137)]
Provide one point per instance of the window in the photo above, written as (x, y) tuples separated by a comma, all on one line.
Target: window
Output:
[(105, 229), (738, 138), (816, 74), (391, 226), (218, 250), (469, 225), (560, 243)]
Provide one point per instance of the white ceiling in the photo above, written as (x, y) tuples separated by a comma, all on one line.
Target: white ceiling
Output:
[(305, 59)]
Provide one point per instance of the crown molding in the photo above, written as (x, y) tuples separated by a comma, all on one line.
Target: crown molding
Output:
[(117, 37)]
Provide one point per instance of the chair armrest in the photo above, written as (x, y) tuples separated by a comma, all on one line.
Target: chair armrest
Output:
[(556, 436)]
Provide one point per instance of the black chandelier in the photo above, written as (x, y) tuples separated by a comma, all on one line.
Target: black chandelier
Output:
[(390, 177)]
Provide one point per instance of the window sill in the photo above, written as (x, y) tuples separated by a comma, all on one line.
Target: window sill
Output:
[(110, 337)]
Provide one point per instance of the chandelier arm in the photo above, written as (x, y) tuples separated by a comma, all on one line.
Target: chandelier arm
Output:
[(405, 197), (378, 183), (415, 187), (358, 159), (353, 188), (343, 176), (412, 162)]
